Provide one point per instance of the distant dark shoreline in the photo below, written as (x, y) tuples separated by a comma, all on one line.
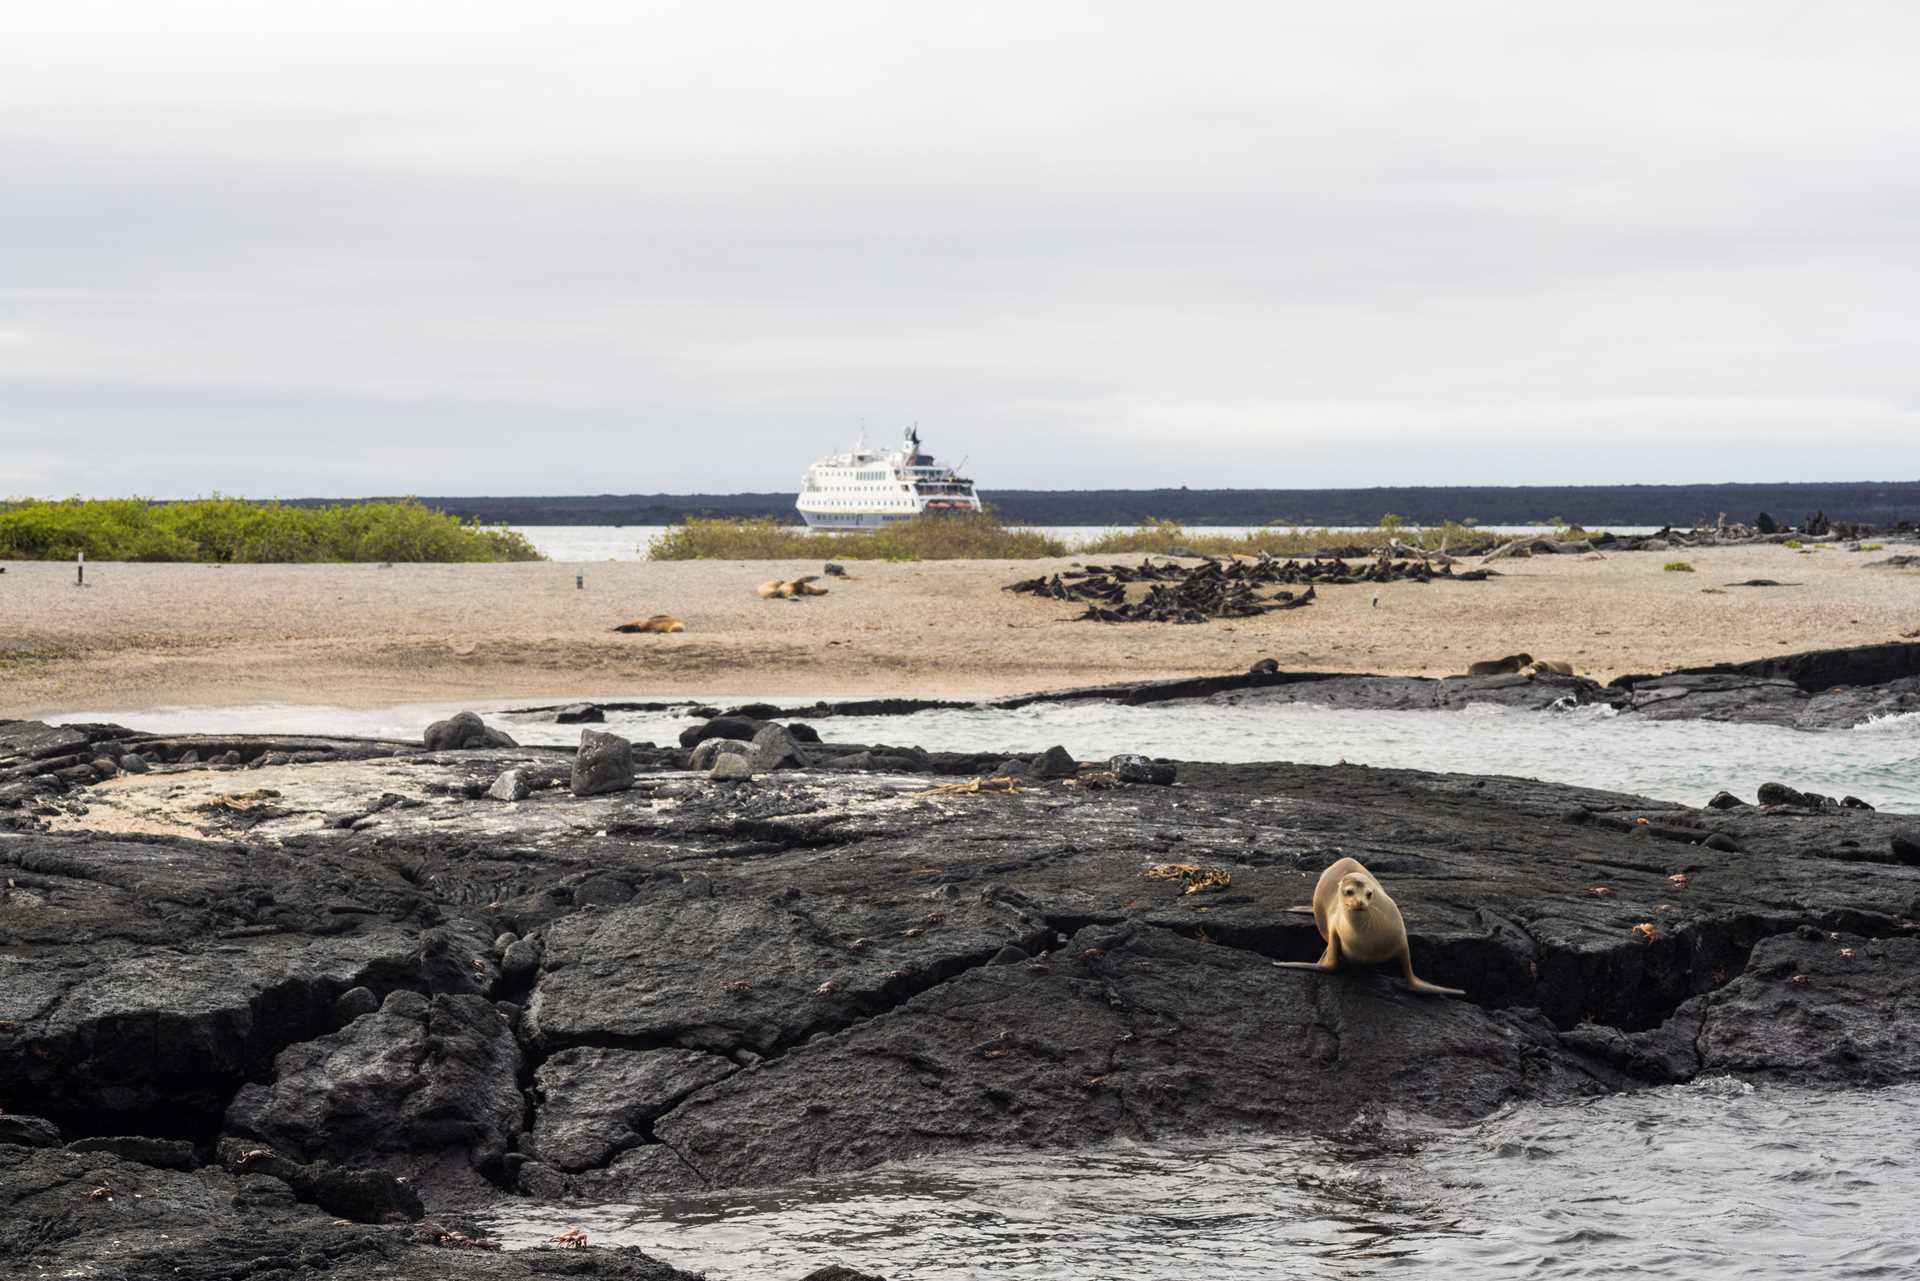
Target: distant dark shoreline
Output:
[(1873, 502)]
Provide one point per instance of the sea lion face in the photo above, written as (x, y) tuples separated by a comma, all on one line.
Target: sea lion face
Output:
[(1356, 892)]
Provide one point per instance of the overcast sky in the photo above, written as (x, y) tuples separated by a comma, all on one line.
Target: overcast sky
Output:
[(472, 247)]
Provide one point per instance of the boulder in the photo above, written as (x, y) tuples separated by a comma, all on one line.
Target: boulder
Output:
[(1130, 767), (739, 727), (579, 714), (28, 1131), (1781, 794), (603, 764), (731, 768), (594, 1104), (1906, 846), (774, 748), (420, 1079), (463, 731), (133, 763), (1726, 801), (1055, 762), (706, 752), (352, 1003)]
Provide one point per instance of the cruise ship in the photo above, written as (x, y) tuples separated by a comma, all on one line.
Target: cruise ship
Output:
[(867, 488)]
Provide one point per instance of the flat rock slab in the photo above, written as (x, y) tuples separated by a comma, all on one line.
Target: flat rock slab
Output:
[(770, 971), (1135, 1032)]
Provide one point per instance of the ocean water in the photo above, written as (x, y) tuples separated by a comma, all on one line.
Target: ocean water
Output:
[(1717, 1179), (1685, 761), (629, 542)]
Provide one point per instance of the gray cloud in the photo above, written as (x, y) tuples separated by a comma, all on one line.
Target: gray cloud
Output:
[(476, 247)]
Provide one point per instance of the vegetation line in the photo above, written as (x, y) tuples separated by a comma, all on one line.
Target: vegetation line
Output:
[(983, 537), (237, 531)]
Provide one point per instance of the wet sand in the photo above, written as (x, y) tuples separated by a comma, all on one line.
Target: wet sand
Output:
[(142, 636)]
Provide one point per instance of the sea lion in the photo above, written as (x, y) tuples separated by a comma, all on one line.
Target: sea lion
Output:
[(1361, 925), (658, 623), (789, 589), (1551, 665), (1507, 666)]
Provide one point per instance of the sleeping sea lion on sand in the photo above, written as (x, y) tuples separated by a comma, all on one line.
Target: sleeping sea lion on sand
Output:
[(658, 623), (1551, 665), (1507, 666), (789, 589), (1361, 925)]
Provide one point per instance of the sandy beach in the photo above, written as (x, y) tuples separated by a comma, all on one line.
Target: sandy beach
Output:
[(146, 635)]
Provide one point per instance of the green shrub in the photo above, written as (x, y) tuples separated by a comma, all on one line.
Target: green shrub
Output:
[(232, 529), (1677, 567), (1792, 543)]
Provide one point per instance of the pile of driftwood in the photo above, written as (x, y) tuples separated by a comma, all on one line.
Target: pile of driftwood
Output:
[(1226, 589)]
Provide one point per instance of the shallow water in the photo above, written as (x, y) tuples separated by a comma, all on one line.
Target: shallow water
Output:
[(1685, 761), (1711, 1180), (629, 542)]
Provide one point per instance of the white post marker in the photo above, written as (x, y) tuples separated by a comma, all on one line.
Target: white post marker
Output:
[(80, 571)]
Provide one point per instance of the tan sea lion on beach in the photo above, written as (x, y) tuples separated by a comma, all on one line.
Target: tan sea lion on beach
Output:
[(1507, 666), (788, 589), (1551, 665), (1361, 925), (658, 623)]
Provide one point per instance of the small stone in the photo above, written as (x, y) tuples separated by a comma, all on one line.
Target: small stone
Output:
[(504, 941), (133, 763), (230, 758), (1722, 842), (1009, 955), (521, 958), (512, 785), (105, 767), (1726, 801)]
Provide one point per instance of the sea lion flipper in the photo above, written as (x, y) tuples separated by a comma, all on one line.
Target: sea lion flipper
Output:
[(1303, 908), (1420, 985)]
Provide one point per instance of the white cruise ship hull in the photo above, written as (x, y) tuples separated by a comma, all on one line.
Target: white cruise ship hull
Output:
[(870, 489), (853, 520)]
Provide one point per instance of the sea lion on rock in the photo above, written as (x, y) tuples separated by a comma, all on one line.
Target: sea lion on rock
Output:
[(1508, 666), (1361, 925), (658, 623), (789, 589)]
